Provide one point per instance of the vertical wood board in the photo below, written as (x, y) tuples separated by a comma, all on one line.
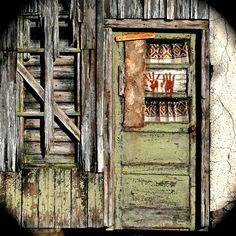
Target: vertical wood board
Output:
[(30, 196), (46, 198), (79, 203), (62, 186), (88, 124), (182, 9), (95, 200), (88, 29)]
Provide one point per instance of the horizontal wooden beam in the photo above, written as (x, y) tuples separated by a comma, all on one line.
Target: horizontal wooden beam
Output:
[(41, 50), (127, 37), (157, 24), (40, 114), (38, 89)]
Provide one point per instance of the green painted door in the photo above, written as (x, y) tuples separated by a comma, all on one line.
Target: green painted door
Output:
[(154, 132)]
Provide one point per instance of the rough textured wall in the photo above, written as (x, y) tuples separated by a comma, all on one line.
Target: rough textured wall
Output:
[(223, 111)]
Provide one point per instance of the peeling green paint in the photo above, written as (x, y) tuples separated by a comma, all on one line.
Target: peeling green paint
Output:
[(154, 165)]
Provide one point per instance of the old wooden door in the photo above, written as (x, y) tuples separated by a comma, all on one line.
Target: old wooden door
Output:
[(154, 131)]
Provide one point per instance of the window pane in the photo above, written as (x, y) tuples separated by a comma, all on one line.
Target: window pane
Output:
[(166, 111), (167, 52), (165, 82)]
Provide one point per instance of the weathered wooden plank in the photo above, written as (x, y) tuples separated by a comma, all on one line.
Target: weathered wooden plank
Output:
[(61, 148), (77, 88), (199, 9), (30, 7), (46, 198), (34, 135), (67, 108), (120, 9), (127, 37), (34, 123), (8, 131), (69, 125), (62, 198), (182, 9), (133, 9), (157, 9), (156, 24), (95, 200), (60, 72), (146, 9), (59, 96), (78, 199), (100, 85), (110, 9), (205, 131), (88, 29), (49, 17), (20, 120), (36, 50), (63, 84), (108, 135), (170, 9), (171, 145), (55, 160), (88, 123), (134, 93), (30, 193), (13, 194), (76, 17)]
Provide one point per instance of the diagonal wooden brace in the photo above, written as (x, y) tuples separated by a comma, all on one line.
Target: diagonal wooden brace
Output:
[(58, 112)]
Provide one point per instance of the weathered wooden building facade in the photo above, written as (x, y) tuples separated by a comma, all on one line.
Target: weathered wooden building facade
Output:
[(105, 114)]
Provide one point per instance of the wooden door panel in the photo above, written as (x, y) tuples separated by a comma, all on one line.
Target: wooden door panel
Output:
[(161, 191), (155, 148), (153, 218)]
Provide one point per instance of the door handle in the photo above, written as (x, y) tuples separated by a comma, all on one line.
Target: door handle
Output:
[(192, 132)]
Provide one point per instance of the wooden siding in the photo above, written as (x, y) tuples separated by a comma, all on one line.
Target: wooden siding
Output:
[(53, 198), (62, 195), (156, 9), (8, 132)]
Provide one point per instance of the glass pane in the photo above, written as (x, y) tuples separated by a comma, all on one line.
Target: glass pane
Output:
[(167, 52), (166, 111), (165, 82)]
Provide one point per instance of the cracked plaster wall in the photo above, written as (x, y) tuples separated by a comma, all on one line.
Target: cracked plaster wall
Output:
[(222, 112)]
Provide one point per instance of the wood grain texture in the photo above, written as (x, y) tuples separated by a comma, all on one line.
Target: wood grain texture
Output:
[(46, 199), (65, 120), (30, 194), (100, 85), (62, 198), (170, 9), (8, 131), (79, 203), (205, 131), (88, 29), (95, 200), (156, 24), (88, 107), (108, 135)]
